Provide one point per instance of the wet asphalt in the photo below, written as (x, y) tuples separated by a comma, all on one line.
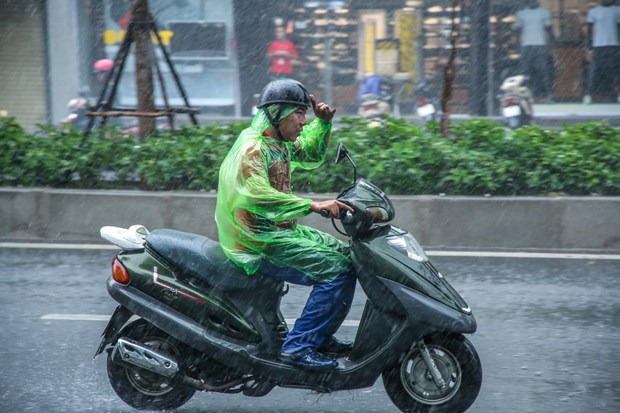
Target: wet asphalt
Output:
[(548, 334)]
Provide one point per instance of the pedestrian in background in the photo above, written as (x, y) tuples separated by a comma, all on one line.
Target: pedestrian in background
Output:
[(283, 55), (536, 34), (604, 45), (101, 71)]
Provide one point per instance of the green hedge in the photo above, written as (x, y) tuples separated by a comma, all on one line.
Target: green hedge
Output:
[(481, 157)]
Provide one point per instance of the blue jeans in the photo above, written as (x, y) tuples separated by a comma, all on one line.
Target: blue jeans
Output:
[(325, 310)]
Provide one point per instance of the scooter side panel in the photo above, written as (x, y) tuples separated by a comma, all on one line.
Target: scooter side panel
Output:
[(378, 259), (155, 279), (170, 320), (387, 325), (377, 331), (392, 273), (245, 358), (425, 312)]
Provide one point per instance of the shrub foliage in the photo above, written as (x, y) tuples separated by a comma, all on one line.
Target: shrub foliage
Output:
[(480, 157)]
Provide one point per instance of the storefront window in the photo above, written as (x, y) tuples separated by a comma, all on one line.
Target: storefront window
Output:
[(198, 37)]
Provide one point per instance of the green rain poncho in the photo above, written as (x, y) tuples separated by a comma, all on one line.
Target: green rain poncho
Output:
[(256, 212)]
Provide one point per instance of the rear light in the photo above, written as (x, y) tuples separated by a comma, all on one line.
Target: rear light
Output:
[(370, 106), (509, 102), (422, 101), (119, 272)]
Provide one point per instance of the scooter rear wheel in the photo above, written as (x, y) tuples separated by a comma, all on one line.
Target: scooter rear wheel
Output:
[(412, 389), (142, 389)]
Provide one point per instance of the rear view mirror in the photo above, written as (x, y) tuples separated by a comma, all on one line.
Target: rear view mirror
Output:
[(342, 153)]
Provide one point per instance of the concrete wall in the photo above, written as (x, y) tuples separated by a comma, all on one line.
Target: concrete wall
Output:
[(514, 223)]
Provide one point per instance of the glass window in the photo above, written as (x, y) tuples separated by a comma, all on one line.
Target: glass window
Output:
[(197, 35)]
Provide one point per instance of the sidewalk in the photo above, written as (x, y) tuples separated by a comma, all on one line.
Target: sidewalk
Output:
[(558, 114), (579, 110), (552, 115)]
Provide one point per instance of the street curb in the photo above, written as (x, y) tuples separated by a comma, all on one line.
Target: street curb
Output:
[(439, 222)]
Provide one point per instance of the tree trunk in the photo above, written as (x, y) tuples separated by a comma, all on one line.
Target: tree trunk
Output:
[(144, 67), (449, 70)]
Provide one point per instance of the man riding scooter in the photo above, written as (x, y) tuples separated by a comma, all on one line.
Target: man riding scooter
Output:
[(204, 324), (256, 217)]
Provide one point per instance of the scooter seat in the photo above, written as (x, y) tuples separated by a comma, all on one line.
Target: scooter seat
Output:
[(197, 256)]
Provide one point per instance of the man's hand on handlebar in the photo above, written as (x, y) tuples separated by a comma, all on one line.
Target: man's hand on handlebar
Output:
[(329, 209)]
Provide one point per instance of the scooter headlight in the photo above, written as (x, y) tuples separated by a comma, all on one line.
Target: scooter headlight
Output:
[(407, 245)]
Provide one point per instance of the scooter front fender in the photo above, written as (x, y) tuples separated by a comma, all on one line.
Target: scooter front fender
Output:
[(424, 311)]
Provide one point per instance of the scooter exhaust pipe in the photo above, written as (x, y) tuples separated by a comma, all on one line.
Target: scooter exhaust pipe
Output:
[(135, 354), (127, 351)]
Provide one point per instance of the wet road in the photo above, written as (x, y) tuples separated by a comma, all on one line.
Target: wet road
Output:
[(548, 334)]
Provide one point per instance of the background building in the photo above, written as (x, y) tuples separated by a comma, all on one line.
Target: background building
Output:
[(219, 49)]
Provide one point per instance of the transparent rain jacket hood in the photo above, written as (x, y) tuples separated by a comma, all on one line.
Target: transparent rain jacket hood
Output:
[(256, 212)]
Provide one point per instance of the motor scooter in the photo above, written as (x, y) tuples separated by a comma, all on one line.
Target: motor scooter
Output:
[(374, 97), (78, 117), (203, 324), (78, 107), (516, 101), (427, 107)]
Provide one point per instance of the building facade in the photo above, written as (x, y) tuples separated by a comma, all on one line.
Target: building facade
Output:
[(219, 49)]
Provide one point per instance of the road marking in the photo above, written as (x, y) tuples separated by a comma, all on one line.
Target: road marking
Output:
[(481, 254), (491, 254), (99, 317), (76, 317), (59, 246)]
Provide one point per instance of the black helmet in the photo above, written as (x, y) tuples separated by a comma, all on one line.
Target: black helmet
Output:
[(284, 91)]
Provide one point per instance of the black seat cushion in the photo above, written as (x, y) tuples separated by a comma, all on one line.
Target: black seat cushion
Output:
[(193, 255)]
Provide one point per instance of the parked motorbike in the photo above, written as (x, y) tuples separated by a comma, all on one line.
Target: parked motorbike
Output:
[(78, 107), (78, 117), (205, 325), (374, 97), (427, 107), (516, 101)]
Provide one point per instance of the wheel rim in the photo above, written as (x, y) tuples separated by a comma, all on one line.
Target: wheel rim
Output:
[(148, 383), (418, 382)]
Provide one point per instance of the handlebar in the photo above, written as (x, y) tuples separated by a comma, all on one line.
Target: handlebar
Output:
[(343, 214)]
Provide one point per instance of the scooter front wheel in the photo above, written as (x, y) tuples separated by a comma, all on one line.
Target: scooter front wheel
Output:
[(413, 387), (142, 389)]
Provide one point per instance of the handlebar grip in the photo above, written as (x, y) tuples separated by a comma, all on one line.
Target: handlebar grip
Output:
[(324, 213)]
